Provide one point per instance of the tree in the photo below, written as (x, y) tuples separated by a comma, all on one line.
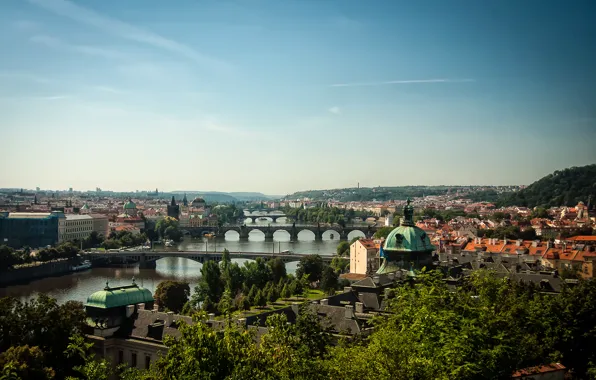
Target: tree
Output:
[(339, 264), (7, 258), (35, 324), (382, 232), (172, 295), (24, 362), (272, 294), (260, 299), (343, 248), (329, 280), (252, 294), (311, 265), (278, 269), (210, 286), (286, 292), (225, 304), (92, 369), (168, 227)]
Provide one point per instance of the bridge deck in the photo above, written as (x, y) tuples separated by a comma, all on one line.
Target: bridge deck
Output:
[(155, 255)]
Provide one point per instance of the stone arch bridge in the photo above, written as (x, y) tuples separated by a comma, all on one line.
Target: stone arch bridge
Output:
[(293, 230), (148, 259)]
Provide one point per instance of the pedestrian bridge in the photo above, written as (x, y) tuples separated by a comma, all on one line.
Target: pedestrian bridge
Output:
[(148, 258)]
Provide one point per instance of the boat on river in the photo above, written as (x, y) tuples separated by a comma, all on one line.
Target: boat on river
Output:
[(86, 264)]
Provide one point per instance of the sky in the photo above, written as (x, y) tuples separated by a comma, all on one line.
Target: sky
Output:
[(281, 96)]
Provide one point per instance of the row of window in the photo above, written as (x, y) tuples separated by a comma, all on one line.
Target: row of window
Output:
[(133, 359)]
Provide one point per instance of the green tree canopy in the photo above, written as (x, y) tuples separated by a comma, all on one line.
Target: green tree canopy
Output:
[(172, 295)]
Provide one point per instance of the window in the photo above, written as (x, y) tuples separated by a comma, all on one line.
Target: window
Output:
[(120, 356), (147, 361), (133, 360)]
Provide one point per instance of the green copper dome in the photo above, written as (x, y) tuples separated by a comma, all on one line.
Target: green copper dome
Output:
[(120, 296), (130, 205), (406, 245), (408, 238)]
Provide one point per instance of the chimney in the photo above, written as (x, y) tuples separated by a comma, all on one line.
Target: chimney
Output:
[(505, 241), (140, 306), (349, 313), (155, 307), (169, 318), (347, 289), (376, 279), (359, 307), (242, 322), (324, 302), (535, 243), (519, 242), (129, 310), (360, 296), (211, 316)]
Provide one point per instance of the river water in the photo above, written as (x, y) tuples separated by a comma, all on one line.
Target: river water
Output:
[(78, 286)]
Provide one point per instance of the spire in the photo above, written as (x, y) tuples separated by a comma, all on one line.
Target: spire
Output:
[(408, 214), (184, 200), (173, 201)]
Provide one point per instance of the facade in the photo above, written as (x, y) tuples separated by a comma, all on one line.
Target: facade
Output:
[(20, 229), (100, 224), (75, 227), (364, 257)]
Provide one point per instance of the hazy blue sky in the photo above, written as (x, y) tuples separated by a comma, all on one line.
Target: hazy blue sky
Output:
[(278, 96)]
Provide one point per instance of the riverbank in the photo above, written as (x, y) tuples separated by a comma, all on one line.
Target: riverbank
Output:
[(27, 273)]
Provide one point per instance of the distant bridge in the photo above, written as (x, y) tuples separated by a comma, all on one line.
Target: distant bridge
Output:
[(274, 217), (293, 230), (148, 259)]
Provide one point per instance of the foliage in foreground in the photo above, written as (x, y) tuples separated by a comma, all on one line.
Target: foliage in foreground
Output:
[(485, 329)]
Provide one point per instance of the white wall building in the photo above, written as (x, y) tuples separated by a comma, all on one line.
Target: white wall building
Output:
[(75, 227)]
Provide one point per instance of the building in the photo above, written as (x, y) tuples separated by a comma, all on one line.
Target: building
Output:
[(112, 315), (554, 371), (100, 224), (364, 257), (198, 203), (130, 208), (406, 246), (75, 227), (39, 229), (173, 209)]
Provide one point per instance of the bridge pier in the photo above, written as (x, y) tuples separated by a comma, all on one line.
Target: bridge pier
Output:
[(318, 235), (148, 264)]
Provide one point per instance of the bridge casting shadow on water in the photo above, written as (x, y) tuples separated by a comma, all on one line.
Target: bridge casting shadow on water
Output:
[(149, 258)]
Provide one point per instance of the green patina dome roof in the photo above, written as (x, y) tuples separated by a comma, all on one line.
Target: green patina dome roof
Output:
[(408, 238), (129, 205), (120, 296)]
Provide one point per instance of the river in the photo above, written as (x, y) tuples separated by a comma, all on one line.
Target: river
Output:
[(78, 286)]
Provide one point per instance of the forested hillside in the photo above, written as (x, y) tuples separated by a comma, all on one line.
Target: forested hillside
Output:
[(562, 188)]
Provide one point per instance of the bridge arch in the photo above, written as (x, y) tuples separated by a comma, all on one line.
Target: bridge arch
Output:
[(356, 233), (281, 235), (331, 234), (306, 235), (232, 235), (256, 234)]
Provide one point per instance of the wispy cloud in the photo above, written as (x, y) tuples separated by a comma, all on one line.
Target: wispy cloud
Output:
[(127, 31), (25, 25), (43, 97), (57, 43), (412, 81), (335, 110)]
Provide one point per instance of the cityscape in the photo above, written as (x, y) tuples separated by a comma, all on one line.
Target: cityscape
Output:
[(297, 190)]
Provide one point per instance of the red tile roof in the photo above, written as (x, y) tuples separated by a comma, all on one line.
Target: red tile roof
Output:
[(539, 369)]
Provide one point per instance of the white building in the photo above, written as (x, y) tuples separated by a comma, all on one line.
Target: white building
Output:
[(75, 227), (364, 257)]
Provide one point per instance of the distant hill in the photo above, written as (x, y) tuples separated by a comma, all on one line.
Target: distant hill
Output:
[(562, 188), (222, 197), (250, 196)]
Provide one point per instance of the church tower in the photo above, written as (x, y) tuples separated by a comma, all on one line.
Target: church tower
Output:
[(174, 209)]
